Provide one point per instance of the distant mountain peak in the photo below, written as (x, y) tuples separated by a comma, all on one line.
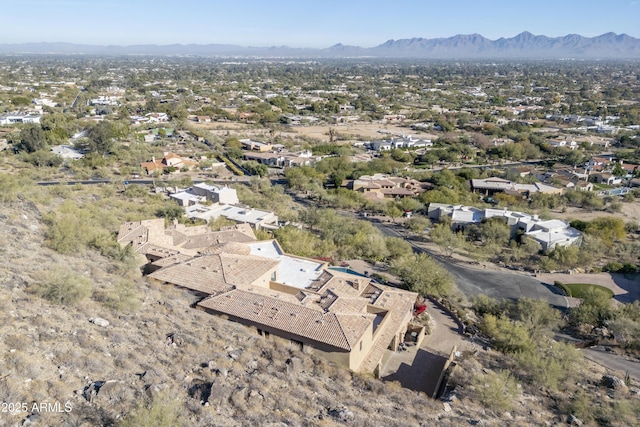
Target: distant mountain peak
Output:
[(525, 45)]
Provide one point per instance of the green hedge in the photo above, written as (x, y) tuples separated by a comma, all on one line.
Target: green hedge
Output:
[(232, 166), (565, 288)]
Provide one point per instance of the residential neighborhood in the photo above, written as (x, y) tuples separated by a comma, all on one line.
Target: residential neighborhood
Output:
[(269, 240)]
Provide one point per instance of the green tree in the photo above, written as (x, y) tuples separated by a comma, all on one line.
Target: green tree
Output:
[(100, 138), (31, 139), (397, 247), (256, 168), (618, 170), (446, 239), (607, 229), (418, 224), (170, 211), (537, 316), (393, 211), (423, 275), (508, 336)]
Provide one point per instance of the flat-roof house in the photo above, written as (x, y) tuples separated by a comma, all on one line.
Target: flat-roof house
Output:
[(249, 144), (242, 214), (9, 119), (265, 158), (202, 192), (490, 186), (549, 234)]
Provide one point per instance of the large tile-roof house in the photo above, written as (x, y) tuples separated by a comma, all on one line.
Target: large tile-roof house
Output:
[(345, 318), (170, 160), (380, 186)]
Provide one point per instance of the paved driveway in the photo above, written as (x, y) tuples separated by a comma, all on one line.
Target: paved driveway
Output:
[(419, 368)]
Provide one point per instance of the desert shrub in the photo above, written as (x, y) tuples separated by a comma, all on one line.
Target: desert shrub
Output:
[(9, 187), (60, 286), (626, 331), (594, 309), (136, 191), (122, 297), (551, 365), (508, 336), (70, 228), (618, 267), (496, 390), (536, 315), (483, 304), (161, 411)]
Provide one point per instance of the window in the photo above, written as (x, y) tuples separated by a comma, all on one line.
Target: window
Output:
[(360, 345), (273, 276)]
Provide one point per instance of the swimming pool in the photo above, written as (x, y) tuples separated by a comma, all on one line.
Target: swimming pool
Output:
[(347, 270)]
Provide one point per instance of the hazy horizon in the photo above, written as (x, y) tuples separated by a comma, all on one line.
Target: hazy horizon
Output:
[(314, 25)]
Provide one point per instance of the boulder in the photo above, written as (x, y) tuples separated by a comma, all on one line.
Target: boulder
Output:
[(219, 394), (174, 339), (99, 321), (294, 365), (611, 381), (574, 421), (342, 414), (31, 420), (91, 391), (153, 390), (603, 332)]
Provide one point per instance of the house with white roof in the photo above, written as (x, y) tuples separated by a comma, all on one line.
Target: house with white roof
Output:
[(549, 233), (242, 214)]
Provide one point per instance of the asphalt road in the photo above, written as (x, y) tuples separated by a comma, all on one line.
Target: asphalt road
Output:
[(613, 362), (473, 281)]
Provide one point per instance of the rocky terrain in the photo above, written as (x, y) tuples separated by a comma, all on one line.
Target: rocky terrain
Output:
[(157, 361)]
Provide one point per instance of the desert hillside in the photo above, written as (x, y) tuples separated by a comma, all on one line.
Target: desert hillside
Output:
[(89, 336)]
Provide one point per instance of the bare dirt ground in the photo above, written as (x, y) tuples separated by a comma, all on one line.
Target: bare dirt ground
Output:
[(359, 131), (630, 212), (220, 125)]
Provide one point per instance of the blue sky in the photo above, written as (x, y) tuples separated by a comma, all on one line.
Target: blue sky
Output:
[(317, 23)]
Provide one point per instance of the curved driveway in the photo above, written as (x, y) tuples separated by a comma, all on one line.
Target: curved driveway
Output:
[(474, 281)]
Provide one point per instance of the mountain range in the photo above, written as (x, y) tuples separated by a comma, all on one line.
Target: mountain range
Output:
[(470, 46)]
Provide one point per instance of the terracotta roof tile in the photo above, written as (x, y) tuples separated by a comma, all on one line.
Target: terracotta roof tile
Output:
[(338, 331)]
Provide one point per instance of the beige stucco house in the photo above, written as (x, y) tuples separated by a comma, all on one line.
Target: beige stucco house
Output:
[(346, 318)]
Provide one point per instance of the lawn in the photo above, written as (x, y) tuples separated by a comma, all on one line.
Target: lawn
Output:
[(577, 290)]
